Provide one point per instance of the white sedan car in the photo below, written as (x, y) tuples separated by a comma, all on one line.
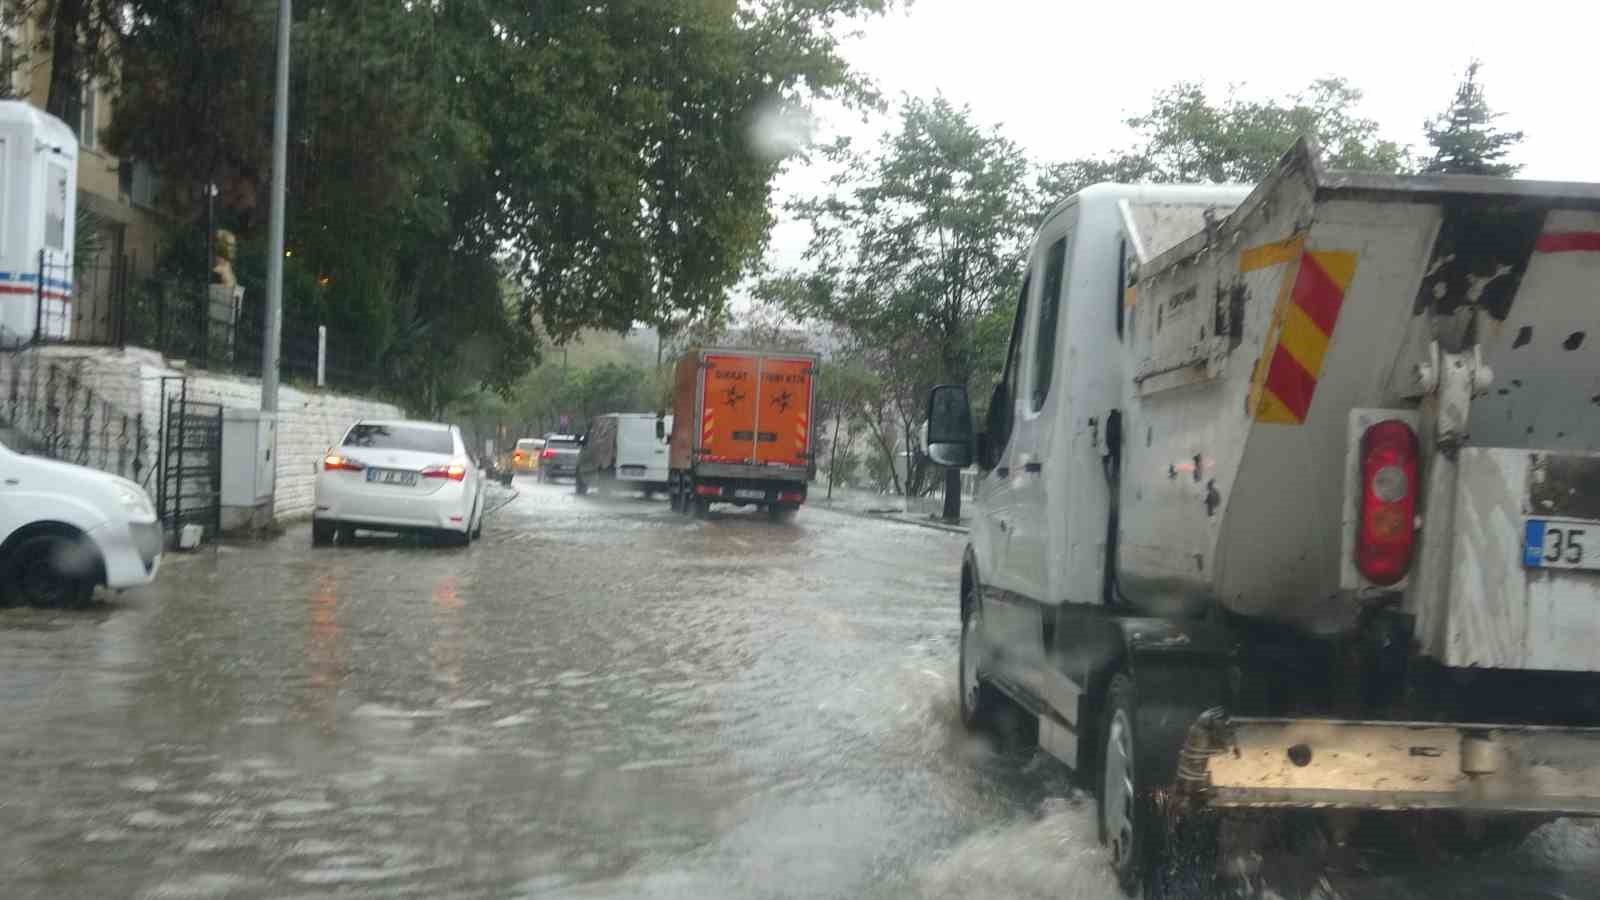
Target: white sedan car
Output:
[(65, 529), (398, 476)]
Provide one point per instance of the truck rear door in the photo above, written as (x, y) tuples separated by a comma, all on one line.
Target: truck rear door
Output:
[(783, 435), (728, 408)]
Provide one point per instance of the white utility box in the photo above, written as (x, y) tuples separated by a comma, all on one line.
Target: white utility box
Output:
[(249, 468)]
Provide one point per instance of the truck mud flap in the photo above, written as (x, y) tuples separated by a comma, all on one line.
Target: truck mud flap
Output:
[(1337, 764)]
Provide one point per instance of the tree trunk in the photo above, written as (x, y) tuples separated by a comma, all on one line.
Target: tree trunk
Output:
[(64, 82), (833, 451), (952, 495)]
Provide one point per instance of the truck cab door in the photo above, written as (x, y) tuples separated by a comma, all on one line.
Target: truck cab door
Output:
[(1035, 470), (1005, 605)]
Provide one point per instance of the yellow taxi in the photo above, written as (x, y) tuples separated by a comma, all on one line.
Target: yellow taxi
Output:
[(525, 458)]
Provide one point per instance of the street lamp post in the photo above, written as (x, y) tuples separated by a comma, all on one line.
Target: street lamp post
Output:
[(272, 332)]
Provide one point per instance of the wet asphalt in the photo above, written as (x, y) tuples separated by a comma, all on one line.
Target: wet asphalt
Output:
[(598, 699)]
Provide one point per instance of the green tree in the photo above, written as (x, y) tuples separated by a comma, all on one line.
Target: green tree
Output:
[(603, 157), (918, 242), (1186, 137), (1464, 138)]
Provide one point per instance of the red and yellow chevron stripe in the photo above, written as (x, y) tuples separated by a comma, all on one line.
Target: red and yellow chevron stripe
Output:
[(1303, 320)]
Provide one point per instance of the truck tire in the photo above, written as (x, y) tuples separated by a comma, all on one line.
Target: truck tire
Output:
[(578, 485), (1167, 853), (674, 497), (699, 506), (980, 701)]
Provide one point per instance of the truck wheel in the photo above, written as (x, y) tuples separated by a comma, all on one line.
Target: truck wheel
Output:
[(979, 701), (1168, 852), (674, 497), (578, 485), (700, 507), (322, 533)]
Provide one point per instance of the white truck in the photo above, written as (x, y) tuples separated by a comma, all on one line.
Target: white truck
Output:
[(1290, 499), (39, 180)]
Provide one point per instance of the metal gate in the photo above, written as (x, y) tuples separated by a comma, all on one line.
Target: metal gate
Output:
[(189, 490)]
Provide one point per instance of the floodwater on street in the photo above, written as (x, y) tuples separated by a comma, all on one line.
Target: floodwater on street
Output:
[(599, 699)]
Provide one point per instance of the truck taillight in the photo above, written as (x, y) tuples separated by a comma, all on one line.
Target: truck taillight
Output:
[(1386, 533), (517, 456), (548, 454)]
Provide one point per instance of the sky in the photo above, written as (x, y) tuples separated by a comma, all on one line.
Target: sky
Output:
[(1058, 77)]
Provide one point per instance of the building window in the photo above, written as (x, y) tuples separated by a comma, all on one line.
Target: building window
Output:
[(55, 210), (89, 126)]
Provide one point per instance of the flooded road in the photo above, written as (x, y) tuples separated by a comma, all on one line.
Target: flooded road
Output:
[(599, 699)]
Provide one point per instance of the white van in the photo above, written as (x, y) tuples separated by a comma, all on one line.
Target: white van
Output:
[(625, 450)]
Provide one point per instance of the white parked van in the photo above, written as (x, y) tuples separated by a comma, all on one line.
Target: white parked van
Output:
[(625, 450)]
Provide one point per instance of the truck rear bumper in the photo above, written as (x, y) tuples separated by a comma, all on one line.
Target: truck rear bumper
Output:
[(754, 473), (1339, 764)]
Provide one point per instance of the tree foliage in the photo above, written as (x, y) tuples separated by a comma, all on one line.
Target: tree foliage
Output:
[(1464, 138), (918, 240), (1186, 137), (598, 157)]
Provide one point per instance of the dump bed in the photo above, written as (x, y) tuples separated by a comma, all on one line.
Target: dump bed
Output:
[(744, 412), (1255, 344)]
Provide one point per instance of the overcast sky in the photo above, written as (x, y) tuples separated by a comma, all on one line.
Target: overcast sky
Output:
[(1059, 76)]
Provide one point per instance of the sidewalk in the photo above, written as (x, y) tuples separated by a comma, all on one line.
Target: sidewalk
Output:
[(923, 512)]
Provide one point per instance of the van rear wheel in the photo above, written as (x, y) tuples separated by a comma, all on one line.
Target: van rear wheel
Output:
[(1156, 844)]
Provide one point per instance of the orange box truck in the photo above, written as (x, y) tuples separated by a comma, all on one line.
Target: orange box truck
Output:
[(741, 430)]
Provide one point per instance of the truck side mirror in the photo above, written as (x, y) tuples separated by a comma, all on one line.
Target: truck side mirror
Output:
[(950, 440)]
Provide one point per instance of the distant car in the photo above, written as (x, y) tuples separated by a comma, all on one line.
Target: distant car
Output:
[(623, 451), (559, 458), (526, 457), (65, 529), (399, 476)]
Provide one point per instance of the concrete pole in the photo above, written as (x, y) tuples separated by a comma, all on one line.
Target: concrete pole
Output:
[(272, 336), (322, 355)]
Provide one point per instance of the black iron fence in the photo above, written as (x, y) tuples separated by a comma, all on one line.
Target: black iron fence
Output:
[(51, 407), (189, 490), (221, 329), (104, 301)]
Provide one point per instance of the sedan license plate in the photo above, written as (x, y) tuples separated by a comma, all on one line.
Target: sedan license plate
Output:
[(748, 494), (392, 476), (1561, 544)]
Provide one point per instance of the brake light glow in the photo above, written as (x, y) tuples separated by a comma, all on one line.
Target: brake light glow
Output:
[(454, 472), (1386, 534), (517, 456), (548, 454), (333, 462)]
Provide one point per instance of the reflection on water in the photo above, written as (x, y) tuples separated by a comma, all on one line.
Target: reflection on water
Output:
[(325, 651), (600, 699)]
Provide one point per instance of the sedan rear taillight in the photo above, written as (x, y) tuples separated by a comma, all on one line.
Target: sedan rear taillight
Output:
[(454, 472), (1386, 532), (333, 462)]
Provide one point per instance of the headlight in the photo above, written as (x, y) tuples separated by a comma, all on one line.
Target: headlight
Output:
[(134, 500)]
